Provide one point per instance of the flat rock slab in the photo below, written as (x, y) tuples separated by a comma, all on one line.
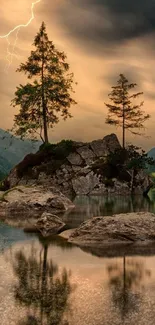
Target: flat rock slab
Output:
[(32, 201), (119, 229)]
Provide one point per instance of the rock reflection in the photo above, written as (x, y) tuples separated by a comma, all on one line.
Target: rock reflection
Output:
[(41, 288), (126, 283), (87, 207)]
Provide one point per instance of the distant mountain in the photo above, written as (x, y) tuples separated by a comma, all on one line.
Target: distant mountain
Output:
[(13, 150), (151, 154)]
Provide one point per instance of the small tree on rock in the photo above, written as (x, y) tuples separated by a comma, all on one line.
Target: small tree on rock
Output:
[(48, 96), (131, 159), (123, 112)]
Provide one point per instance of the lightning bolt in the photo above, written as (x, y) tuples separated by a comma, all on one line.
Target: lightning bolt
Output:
[(11, 53)]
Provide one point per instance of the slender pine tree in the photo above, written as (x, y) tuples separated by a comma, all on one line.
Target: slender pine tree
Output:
[(123, 112)]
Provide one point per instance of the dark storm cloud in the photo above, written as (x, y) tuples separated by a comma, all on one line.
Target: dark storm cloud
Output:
[(108, 21), (132, 73)]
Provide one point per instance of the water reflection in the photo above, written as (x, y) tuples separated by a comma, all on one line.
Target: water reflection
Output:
[(41, 288), (37, 287), (87, 207), (126, 283)]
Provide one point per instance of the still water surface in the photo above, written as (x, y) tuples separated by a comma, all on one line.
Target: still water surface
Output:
[(51, 282)]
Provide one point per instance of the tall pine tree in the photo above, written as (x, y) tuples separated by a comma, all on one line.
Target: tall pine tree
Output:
[(48, 95), (123, 112)]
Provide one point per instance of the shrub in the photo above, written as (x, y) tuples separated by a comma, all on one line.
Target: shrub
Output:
[(60, 150), (4, 185), (29, 161), (63, 149), (54, 152)]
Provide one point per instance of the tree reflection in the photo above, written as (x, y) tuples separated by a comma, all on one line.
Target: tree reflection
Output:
[(41, 288), (124, 282)]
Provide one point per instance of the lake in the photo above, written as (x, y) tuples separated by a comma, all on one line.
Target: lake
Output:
[(87, 207), (52, 282)]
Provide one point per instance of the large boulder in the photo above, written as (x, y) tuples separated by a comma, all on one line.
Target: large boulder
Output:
[(50, 224), (99, 148), (87, 154), (121, 229), (32, 201), (112, 142), (143, 181), (85, 184), (75, 159)]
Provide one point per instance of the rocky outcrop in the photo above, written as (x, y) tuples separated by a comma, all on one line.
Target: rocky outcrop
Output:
[(80, 169), (87, 154), (49, 224), (98, 147), (75, 159), (130, 228), (85, 184), (72, 175), (31, 202), (143, 181)]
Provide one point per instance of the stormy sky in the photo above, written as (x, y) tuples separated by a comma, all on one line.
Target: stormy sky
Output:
[(102, 38)]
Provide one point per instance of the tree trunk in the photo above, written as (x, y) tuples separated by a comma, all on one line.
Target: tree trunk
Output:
[(123, 137), (123, 142), (44, 104), (124, 273), (45, 124), (132, 180), (124, 286), (43, 284)]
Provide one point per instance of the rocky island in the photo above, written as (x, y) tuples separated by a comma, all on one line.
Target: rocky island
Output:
[(78, 169), (39, 189)]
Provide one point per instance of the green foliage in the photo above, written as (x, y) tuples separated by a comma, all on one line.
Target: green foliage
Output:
[(4, 185), (152, 175), (131, 157), (123, 112), (53, 155), (118, 157), (60, 150), (138, 158), (47, 97), (46, 146), (125, 163), (63, 149)]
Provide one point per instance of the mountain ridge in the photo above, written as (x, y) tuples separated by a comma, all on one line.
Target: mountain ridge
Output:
[(13, 150)]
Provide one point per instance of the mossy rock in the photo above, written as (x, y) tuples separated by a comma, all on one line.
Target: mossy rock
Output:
[(60, 150), (55, 153)]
